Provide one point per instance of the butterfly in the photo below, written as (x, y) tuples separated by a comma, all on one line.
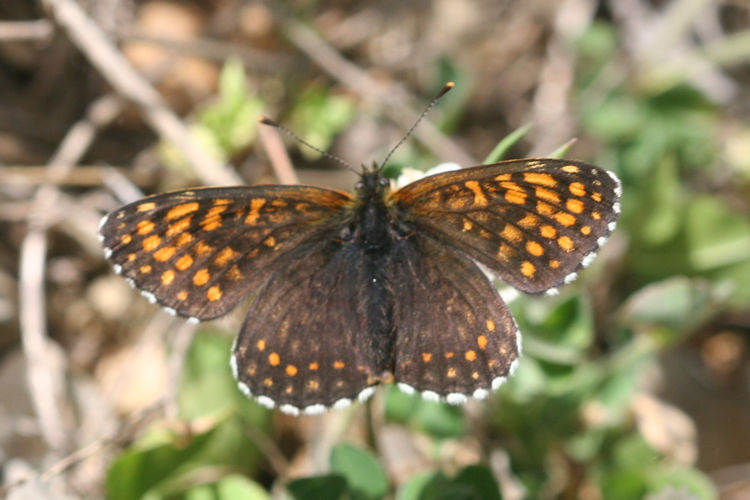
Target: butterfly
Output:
[(348, 291)]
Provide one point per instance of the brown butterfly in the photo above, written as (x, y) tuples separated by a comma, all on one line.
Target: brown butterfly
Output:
[(351, 290)]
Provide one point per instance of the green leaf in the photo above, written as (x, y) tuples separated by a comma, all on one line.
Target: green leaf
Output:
[(236, 486), (400, 406), (171, 467), (474, 482), (563, 149), (716, 234), (327, 487), (318, 116), (440, 419), (414, 488), (481, 480), (507, 142), (681, 480), (228, 488), (679, 303), (365, 476), (207, 385)]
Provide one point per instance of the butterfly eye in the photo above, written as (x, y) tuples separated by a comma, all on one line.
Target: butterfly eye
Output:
[(359, 185), (384, 181)]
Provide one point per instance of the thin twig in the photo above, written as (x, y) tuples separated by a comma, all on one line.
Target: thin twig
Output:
[(123, 434), (274, 146), (25, 30), (397, 103), (257, 60), (81, 176), (113, 66)]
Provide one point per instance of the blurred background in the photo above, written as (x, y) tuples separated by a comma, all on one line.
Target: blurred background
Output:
[(635, 380)]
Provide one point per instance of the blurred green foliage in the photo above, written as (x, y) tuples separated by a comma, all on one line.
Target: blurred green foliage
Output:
[(686, 253)]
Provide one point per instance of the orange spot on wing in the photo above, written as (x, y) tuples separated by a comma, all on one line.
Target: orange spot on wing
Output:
[(178, 227), (234, 273), (528, 269), (426, 357), (255, 205), (339, 365), (511, 233), (184, 239), (291, 370), (548, 231), (534, 248), (529, 221), (210, 224), (261, 345), (544, 208), (274, 359), (547, 195), (574, 205), (540, 178), (145, 207), (565, 243), (482, 340), (202, 249), (480, 199), (226, 255), (151, 243), (145, 227), (201, 277), (214, 293), (165, 253), (577, 189), (515, 197), (182, 210), (470, 355), (184, 262), (167, 277), (565, 218)]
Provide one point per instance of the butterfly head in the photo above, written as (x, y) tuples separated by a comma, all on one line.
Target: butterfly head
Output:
[(372, 184)]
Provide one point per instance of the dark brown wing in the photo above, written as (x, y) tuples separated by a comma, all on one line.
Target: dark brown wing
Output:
[(456, 337), (304, 345), (198, 252), (533, 222)]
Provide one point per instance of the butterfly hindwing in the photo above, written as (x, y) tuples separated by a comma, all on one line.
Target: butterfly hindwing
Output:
[(304, 344), (456, 336), (532, 222), (199, 252)]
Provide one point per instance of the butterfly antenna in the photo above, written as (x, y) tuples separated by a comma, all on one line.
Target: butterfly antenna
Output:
[(267, 121), (427, 109)]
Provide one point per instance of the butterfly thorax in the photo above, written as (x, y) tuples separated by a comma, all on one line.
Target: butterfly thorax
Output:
[(372, 222)]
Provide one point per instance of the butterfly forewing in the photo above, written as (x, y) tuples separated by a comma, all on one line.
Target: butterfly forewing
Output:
[(199, 252), (533, 222)]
